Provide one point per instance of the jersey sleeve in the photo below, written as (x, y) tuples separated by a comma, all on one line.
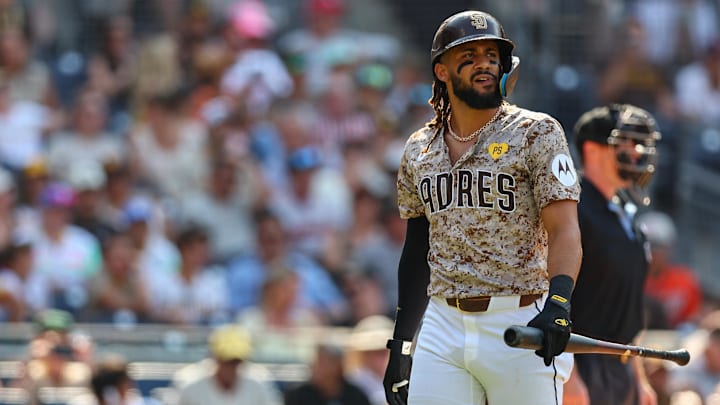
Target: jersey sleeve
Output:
[(552, 169), (409, 203)]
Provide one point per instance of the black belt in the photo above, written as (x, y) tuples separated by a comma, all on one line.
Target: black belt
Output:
[(481, 304)]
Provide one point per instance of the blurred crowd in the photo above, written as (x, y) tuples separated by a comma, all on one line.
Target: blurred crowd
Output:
[(205, 162), (201, 169)]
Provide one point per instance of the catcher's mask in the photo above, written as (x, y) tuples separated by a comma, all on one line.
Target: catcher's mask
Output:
[(633, 140), (630, 131), (473, 25)]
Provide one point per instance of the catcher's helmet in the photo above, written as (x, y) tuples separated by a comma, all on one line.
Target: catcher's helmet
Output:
[(630, 130), (469, 26)]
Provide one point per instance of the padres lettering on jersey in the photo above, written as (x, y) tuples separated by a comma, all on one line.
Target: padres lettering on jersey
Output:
[(468, 189)]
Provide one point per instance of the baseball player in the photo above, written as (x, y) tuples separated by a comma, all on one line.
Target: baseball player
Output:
[(616, 145), (490, 194)]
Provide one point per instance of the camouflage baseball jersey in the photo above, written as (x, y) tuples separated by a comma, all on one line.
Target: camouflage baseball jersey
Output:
[(486, 236)]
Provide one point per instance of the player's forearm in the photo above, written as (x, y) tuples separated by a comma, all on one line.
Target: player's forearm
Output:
[(413, 278), (564, 242), (564, 253)]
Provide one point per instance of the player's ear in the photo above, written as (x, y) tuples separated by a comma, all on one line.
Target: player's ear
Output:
[(591, 149), (441, 72)]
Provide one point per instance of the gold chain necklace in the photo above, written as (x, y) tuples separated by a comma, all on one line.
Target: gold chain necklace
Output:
[(472, 136)]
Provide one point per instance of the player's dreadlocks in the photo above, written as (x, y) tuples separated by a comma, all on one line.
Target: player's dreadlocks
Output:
[(440, 101)]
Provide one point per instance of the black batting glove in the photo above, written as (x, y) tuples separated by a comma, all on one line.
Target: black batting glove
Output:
[(397, 373), (554, 319)]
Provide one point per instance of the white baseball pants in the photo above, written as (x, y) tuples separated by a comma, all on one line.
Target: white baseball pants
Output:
[(462, 359)]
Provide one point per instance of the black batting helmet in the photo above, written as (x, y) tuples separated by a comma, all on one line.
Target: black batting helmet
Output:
[(469, 26)]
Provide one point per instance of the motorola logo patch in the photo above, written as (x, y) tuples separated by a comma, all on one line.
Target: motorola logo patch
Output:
[(564, 169)]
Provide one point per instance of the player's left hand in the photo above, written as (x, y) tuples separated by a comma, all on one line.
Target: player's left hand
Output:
[(554, 319), (397, 374)]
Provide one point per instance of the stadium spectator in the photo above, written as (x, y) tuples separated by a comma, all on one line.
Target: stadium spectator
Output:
[(110, 384), (224, 209), (158, 258), (277, 322), (697, 87), (327, 383), (315, 204), (379, 257), (258, 74), (86, 137), (278, 309), (25, 124), (367, 344), (702, 375), (324, 41), (65, 254), (229, 383), (112, 69), (87, 178), (247, 274), (169, 151), (28, 78), (675, 286), (117, 294), (25, 292), (8, 200), (195, 294)]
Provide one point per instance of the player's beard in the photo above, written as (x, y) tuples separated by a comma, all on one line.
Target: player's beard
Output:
[(472, 97)]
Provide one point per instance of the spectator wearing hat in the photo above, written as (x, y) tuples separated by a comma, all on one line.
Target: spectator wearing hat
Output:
[(57, 357), (31, 181), (315, 206), (55, 367), (64, 253), (367, 343), (258, 75), (87, 178), (230, 383), (374, 81), (157, 257)]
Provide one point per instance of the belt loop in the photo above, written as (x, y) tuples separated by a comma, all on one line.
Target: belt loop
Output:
[(457, 305)]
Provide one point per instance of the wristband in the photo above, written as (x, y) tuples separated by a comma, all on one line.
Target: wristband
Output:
[(561, 287), (405, 346)]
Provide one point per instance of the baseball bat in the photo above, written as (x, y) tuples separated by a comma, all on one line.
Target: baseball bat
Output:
[(526, 337)]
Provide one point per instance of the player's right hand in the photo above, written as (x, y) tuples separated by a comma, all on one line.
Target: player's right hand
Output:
[(397, 374)]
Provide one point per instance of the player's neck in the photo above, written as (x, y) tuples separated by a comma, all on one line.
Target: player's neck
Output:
[(465, 120)]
